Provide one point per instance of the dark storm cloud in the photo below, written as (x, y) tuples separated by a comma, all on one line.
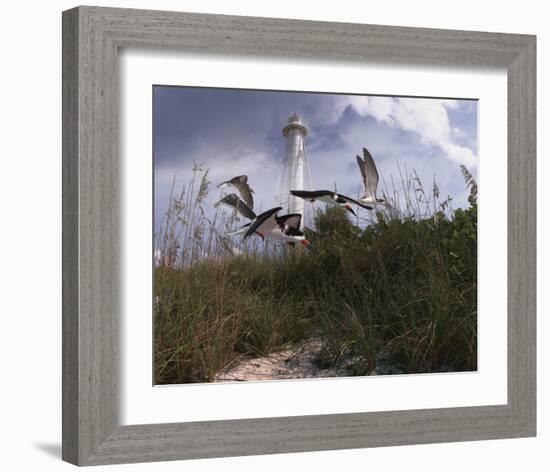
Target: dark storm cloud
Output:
[(189, 120)]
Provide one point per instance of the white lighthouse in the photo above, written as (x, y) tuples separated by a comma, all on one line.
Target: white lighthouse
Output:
[(295, 166)]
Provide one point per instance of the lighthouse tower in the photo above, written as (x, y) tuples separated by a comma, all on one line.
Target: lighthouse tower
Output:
[(295, 167)]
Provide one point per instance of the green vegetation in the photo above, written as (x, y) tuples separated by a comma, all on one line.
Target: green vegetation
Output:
[(400, 290)]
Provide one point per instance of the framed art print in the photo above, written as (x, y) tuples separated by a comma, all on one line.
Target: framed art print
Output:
[(297, 259), (302, 218)]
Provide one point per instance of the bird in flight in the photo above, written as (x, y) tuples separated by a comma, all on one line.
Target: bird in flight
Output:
[(241, 184), (331, 198), (269, 225), (233, 201), (370, 180)]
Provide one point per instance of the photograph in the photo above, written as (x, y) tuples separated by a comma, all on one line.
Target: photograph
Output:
[(306, 235)]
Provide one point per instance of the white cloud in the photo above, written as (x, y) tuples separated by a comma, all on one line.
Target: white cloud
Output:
[(427, 117)]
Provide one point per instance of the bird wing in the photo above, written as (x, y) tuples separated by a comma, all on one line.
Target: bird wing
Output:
[(291, 220), (234, 201), (344, 198), (240, 230), (311, 195), (264, 223), (361, 165), (369, 173), (241, 184), (245, 210), (291, 231)]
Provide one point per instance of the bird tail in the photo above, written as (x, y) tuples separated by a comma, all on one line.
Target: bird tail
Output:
[(240, 230)]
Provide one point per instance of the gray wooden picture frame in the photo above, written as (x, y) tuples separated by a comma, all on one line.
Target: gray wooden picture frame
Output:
[(92, 38)]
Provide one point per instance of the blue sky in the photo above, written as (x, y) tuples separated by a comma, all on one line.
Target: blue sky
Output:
[(236, 132)]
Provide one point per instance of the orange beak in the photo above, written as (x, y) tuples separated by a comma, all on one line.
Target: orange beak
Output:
[(350, 209), (307, 244)]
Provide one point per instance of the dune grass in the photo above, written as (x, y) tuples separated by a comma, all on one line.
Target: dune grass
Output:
[(400, 288)]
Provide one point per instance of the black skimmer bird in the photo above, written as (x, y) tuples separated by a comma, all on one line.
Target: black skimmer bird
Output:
[(292, 220), (269, 225), (241, 184), (235, 202), (329, 197), (370, 180)]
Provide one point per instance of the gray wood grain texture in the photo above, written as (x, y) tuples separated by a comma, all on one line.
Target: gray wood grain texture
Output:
[(91, 39), (70, 237)]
